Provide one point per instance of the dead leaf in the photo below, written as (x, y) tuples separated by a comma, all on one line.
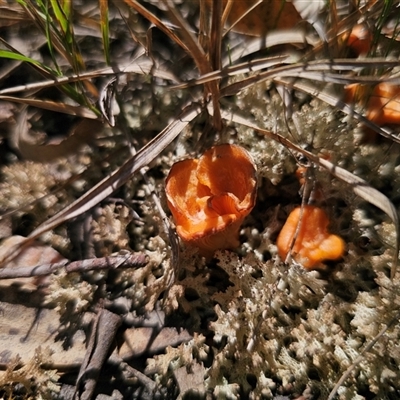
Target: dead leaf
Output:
[(11, 15), (5, 227), (312, 12), (79, 111), (6, 111), (23, 329), (36, 254), (101, 339), (81, 133), (32, 255), (107, 101)]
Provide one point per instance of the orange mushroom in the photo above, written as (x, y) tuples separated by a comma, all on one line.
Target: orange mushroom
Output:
[(306, 237), (382, 102), (210, 197), (301, 174), (359, 39)]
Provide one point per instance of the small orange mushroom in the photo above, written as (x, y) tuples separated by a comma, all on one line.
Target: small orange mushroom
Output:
[(382, 102), (301, 174), (306, 237), (359, 39), (210, 197)]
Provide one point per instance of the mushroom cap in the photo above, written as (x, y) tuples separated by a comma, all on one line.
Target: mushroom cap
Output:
[(210, 197), (307, 226)]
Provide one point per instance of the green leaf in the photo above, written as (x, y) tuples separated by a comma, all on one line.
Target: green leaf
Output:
[(60, 16), (105, 33), (20, 57)]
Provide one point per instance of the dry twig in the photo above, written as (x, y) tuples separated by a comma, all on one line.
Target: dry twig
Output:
[(128, 261)]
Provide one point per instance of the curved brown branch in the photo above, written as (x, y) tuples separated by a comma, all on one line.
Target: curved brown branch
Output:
[(128, 261)]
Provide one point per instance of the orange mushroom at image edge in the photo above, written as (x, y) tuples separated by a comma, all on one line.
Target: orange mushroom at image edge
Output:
[(382, 102), (209, 197), (306, 237)]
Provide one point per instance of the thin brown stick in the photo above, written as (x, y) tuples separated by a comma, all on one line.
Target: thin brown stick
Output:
[(130, 374), (156, 21), (216, 35), (200, 59), (204, 25), (235, 22), (226, 12), (128, 261)]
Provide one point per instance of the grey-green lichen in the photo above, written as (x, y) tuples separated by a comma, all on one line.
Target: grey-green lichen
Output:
[(110, 229), (24, 183), (286, 329), (69, 292)]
